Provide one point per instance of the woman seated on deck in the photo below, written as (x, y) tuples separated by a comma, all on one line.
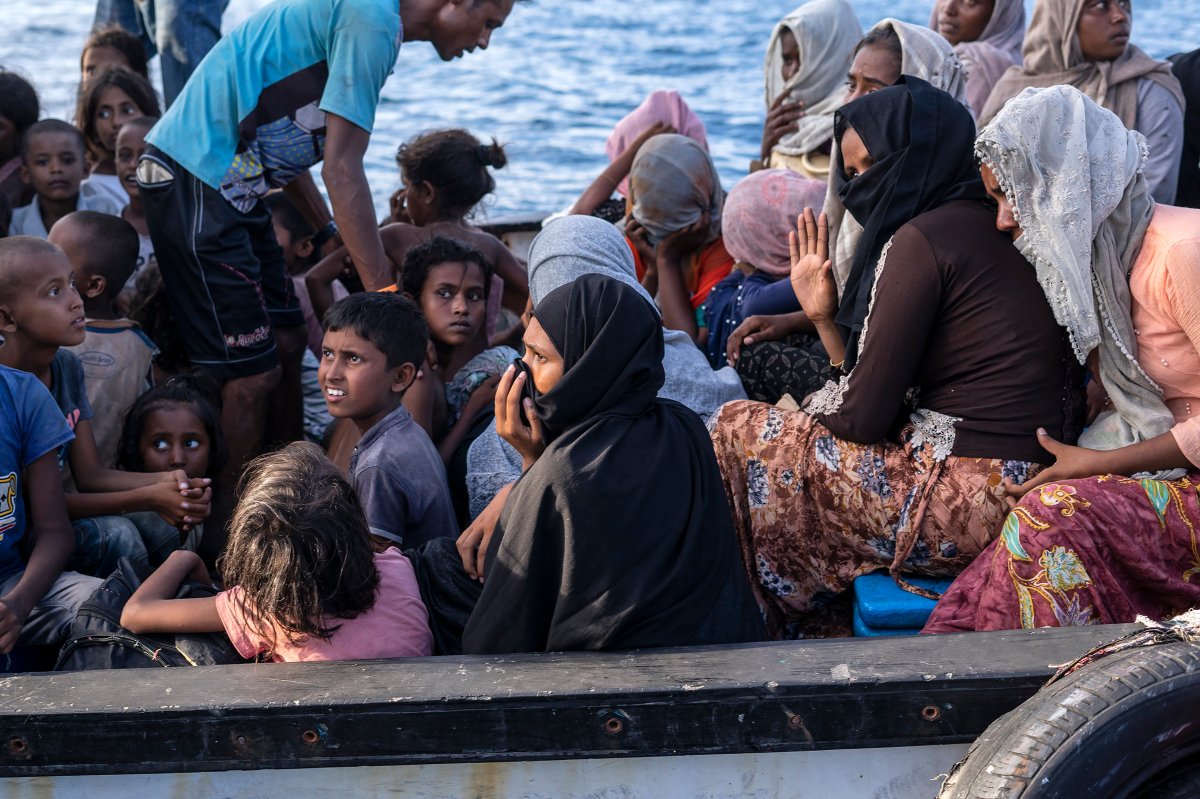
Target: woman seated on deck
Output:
[(987, 37), (1085, 44), (899, 465), (583, 558), (807, 61), (1080, 548), (782, 354), (758, 213), (674, 224), (564, 251), (661, 112)]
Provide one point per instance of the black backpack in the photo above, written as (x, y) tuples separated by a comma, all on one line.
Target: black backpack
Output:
[(98, 641)]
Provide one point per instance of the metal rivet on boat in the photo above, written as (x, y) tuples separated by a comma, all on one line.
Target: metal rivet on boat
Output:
[(310, 736), (931, 713), (17, 745), (614, 721)]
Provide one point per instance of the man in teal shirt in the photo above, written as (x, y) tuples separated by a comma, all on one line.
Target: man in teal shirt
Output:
[(296, 84)]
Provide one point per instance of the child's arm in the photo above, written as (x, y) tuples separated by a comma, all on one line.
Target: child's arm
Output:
[(319, 280), (168, 500), (421, 396), (607, 181), (515, 277), (153, 607), (54, 541), (105, 491), (482, 398)]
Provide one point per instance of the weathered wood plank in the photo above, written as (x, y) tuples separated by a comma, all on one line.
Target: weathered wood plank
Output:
[(757, 698)]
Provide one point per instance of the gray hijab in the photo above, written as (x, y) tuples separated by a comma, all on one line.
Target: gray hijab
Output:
[(1073, 174), (565, 249)]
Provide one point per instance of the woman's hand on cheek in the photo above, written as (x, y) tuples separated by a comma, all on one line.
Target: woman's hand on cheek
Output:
[(682, 243), (526, 439)]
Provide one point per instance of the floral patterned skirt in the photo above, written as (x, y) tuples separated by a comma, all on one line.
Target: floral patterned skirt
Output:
[(1099, 550), (813, 512)]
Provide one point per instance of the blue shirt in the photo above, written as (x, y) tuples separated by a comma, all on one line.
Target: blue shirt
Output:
[(401, 482), (252, 116), (69, 390), (30, 426)]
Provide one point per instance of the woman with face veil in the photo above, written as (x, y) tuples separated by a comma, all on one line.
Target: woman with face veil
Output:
[(899, 464), (587, 555)]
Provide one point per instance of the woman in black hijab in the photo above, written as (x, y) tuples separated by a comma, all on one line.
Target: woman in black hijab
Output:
[(951, 353), (919, 139), (618, 534)]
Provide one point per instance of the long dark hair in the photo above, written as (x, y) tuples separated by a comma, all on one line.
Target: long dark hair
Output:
[(133, 84), (123, 42), (299, 546), (196, 391)]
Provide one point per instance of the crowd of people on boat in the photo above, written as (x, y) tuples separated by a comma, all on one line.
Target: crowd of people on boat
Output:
[(947, 325)]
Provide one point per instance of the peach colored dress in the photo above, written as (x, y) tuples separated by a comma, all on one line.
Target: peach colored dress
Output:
[(1105, 549)]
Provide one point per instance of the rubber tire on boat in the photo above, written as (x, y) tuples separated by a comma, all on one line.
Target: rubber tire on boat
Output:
[(1125, 726)]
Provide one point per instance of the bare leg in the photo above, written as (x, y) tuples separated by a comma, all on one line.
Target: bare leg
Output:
[(243, 419), (285, 422)]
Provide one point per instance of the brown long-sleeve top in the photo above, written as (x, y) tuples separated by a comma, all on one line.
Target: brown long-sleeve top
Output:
[(959, 315)]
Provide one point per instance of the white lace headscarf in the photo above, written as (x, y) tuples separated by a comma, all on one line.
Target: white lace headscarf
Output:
[(928, 56), (825, 32), (1073, 174)]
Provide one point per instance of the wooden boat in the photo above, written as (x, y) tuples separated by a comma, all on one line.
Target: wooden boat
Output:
[(839, 718)]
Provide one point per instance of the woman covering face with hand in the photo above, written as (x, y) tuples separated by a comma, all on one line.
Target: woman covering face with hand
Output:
[(807, 60), (658, 566)]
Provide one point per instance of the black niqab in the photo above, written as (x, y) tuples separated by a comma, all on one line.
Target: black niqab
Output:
[(620, 535), (922, 143)]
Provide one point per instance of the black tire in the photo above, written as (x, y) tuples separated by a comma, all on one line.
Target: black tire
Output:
[(1125, 726)]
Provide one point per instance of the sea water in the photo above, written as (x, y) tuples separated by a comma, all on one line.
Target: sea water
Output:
[(555, 79)]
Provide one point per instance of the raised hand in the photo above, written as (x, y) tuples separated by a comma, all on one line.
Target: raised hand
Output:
[(812, 271)]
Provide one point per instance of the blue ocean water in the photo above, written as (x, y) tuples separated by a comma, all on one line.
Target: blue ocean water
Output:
[(556, 78)]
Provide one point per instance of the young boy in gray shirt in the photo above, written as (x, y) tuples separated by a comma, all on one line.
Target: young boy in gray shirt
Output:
[(373, 345)]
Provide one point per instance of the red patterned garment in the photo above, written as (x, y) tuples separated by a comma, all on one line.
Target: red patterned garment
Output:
[(1100, 550)]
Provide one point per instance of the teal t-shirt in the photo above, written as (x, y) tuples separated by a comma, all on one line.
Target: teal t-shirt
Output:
[(252, 116), (30, 426)]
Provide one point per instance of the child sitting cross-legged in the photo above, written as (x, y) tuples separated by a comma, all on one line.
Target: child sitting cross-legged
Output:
[(115, 353), (374, 343), (40, 314), (307, 582), (52, 163)]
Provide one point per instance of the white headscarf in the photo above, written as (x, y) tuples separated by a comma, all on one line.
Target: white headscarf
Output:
[(925, 55), (825, 32), (1073, 174)]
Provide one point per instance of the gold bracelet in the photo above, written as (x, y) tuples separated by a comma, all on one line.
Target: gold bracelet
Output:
[(839, 364)]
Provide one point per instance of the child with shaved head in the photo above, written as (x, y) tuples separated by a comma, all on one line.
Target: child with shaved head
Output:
[(115, 353), (38, 599), (41, 313)]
